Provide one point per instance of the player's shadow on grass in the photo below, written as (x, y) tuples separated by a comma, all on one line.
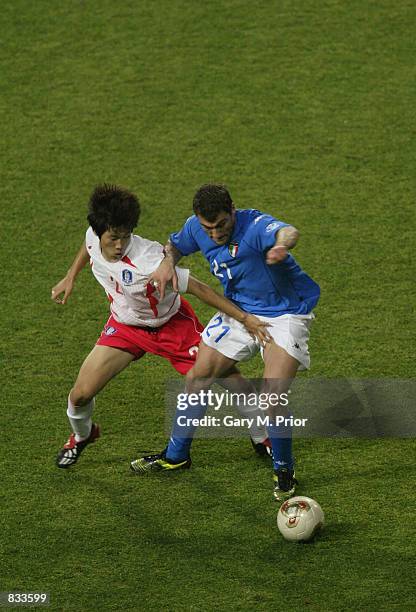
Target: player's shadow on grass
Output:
[(204, 486), (195, 488), (170, 528)]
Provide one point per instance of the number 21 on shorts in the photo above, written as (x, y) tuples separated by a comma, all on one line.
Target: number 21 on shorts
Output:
[(219, 328)]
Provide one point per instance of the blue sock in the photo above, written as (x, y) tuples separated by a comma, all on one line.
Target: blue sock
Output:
[(182, 434), (281, 440)]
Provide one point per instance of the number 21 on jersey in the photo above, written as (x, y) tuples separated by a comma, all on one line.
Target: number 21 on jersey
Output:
[(216, 267), (220, 329)]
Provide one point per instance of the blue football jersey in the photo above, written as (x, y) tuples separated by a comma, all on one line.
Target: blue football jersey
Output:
[(240, 265)]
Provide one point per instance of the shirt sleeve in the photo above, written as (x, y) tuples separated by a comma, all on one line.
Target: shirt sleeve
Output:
[(90, 236), (263, 230), (92, 242), (184, 240), (183, 279)]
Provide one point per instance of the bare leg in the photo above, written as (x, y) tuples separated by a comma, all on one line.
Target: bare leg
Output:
[(210, 364), (100, 366), (235, 382)]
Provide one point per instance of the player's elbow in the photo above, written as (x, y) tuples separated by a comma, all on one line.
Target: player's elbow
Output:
[(195, 287), (289, 236), (294, 232)]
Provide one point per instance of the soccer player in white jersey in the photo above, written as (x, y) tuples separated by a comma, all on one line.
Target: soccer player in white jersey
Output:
[(248, 252), (141, 321)]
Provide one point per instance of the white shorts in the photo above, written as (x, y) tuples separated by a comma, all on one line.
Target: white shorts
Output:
[(229, 337)]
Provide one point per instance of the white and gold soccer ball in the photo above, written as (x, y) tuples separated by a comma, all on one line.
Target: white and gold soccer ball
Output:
[(300, 518)]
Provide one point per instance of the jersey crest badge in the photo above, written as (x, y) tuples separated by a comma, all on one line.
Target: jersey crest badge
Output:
[(127, 276), (232, 249), (109, 331), (272, 226)]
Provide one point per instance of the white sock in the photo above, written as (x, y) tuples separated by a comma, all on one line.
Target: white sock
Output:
[(258, 432), (80, 419)]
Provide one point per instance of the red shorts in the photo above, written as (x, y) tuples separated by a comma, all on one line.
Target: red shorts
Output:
[(177, 340)]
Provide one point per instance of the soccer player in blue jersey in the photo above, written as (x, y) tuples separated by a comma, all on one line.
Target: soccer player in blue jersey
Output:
[(248, 251)]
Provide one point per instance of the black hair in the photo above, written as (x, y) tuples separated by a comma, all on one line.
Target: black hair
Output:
[(210, 200), (111, 206)]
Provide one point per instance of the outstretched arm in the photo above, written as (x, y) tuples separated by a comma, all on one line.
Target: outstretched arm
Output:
[(166, 270), (286, 239), (66, 285), (253, 325)]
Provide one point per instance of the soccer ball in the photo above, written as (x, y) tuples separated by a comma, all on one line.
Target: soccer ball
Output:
[(299, 519)]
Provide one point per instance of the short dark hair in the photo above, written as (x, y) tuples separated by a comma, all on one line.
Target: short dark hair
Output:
[(210, 200), (111, 206)]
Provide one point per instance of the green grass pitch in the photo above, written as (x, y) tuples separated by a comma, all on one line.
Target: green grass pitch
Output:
[(305, 110)]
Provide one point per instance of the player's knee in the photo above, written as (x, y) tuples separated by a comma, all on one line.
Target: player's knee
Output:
[(197, 379), (81, 395), (197, 373), (190, 379), (190, 376)]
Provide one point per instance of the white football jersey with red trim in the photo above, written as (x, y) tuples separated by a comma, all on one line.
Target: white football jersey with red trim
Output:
[(133, 300)]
